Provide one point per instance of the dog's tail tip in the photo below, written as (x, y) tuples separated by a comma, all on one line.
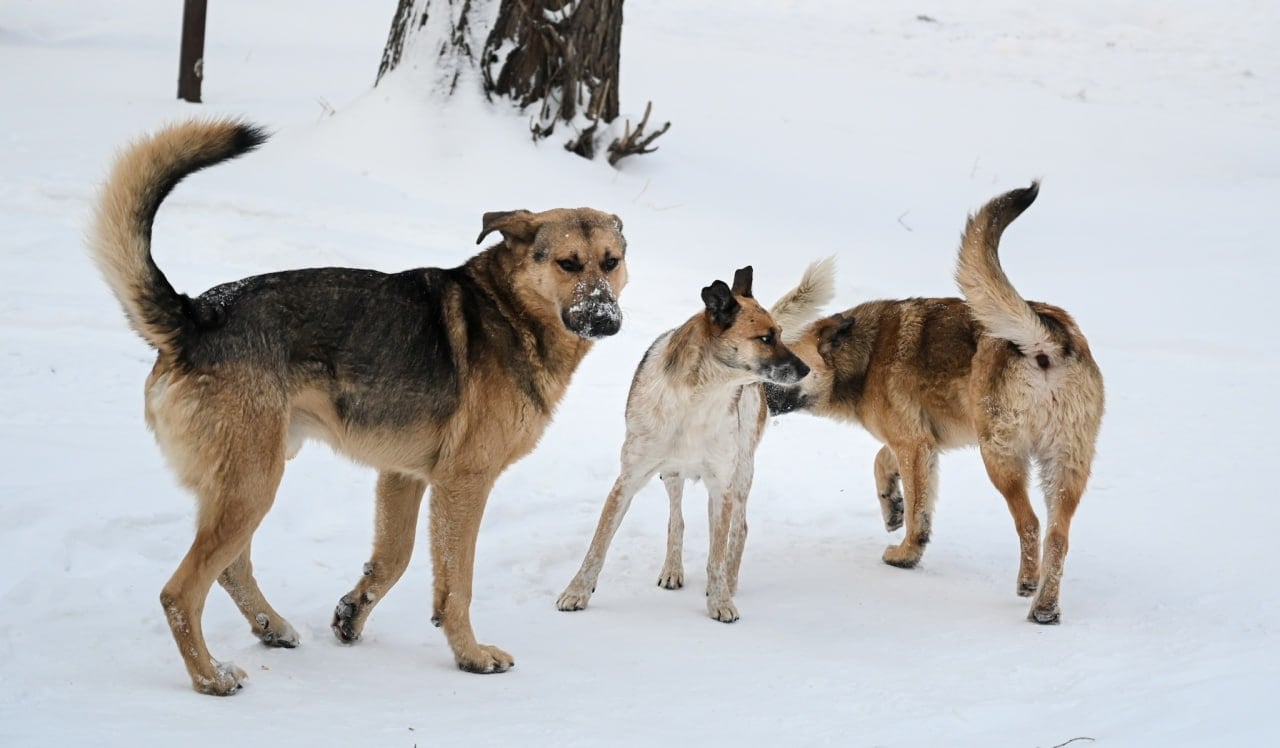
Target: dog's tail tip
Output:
[(1023, 197), (1010, 205), (248, 136)]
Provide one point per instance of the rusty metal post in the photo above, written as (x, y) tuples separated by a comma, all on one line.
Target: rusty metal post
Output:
[(191, 58)]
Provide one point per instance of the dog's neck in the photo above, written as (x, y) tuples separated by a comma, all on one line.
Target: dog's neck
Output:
[(690, 360), (852, 358)]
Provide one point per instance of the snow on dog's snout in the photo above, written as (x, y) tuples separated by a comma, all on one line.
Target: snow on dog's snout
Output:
[(595, 312)]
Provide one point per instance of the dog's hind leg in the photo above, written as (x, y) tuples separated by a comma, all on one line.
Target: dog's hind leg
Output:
[(398, 502), (1063, 487), (889, 489), (918, 464), (578, 593), (266, 624), (234, 495), (672, 576), (1009, 473)]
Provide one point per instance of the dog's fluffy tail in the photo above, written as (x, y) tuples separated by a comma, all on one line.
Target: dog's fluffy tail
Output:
[(991, 297), (800, 306), (120, 237)]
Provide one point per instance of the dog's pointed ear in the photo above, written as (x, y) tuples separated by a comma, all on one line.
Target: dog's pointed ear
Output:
[(617, 222), (742, 282), (833, 332), (721, 306), (514, 225)]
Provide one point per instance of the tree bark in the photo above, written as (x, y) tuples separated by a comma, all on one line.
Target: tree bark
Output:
[(564, 54), (394, 48), (443, 27), (191, 54)]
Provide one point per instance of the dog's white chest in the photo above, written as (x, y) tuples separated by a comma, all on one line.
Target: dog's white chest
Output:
[(695, 438)]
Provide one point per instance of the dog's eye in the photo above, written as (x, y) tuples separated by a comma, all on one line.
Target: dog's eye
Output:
[(570, 266), (766, 339), (609, 263)]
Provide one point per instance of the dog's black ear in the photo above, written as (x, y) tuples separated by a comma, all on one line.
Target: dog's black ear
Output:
[(721, 305), (742, 282), (515, 225), (833, 332)]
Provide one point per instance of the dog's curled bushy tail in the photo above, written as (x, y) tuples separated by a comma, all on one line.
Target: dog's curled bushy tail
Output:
[(991, 297), (120, 237), (800, 306)]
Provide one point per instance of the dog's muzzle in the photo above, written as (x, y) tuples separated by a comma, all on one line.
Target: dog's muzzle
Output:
[(783, 399), (788, 371), (595, 315)]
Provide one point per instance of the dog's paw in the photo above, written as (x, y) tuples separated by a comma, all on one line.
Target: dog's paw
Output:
[(722, 609), (903, 558), (346, 619), (1045, 614), (224, 680), (574, 598), (486, 659), (671, 579), (275, 633)]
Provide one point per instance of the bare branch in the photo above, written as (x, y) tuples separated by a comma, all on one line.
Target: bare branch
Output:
[(635, 142)]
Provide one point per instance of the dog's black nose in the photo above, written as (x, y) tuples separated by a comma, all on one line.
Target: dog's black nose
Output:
[(603, 326), (595, 319)]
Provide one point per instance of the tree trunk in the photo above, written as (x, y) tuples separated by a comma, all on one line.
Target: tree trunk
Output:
[(561, 55), (440, 32), (191, 54)]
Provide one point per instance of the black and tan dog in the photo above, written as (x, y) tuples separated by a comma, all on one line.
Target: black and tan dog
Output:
[(435, 377), (1014, 377)]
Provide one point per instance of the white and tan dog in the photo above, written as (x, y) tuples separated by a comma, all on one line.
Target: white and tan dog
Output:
[(697, 410)]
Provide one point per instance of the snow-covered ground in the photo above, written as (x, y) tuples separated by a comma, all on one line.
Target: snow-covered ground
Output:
[(801, 129)]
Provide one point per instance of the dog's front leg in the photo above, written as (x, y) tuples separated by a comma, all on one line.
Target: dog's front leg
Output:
[(739, 492), (399, 498), (672, 576), (457, 506), (578, 593), (918, 464), (720, 505)]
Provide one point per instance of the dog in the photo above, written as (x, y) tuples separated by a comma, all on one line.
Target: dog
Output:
[(696, 410), (1014, 377), (435, 377)]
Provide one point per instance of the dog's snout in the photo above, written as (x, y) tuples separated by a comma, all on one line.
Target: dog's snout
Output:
[(787, 371), (595, 314)]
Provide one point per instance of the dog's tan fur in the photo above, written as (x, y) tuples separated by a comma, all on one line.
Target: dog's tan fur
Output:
[(696, 411), (1014, 377), (447, 399)]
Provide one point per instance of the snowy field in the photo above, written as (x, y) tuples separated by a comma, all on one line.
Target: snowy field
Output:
[(800, 129)]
